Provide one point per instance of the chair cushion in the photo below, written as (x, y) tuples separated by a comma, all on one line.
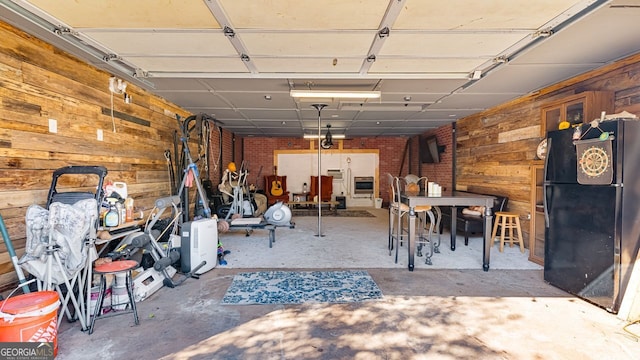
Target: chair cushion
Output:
[(472, 223), (422, 208), (402, 207), (474, 210)]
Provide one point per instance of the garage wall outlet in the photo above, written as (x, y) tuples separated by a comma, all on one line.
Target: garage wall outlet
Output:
[(53, 126), (100, 134)]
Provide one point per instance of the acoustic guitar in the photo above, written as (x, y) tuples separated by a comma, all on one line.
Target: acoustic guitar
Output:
[(276, 185)]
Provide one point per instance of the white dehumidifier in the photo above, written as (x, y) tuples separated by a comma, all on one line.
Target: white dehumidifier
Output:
[(198, 244)]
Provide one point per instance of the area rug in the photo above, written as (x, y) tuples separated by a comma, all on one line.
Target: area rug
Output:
[(293, 287), (327, 212)]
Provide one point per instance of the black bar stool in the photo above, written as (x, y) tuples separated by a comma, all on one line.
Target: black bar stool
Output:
[(115, 268)]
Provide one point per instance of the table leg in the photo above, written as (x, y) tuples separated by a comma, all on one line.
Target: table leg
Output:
[(272, 236), (412, 235), (454, 222), (436, 248), (488, 218)]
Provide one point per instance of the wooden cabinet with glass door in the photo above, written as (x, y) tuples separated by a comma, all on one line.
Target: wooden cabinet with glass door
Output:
[(536, 232), (580, 108)]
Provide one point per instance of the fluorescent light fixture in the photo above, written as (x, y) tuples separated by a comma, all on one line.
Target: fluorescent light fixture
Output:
[(335, 136), (335, 94)]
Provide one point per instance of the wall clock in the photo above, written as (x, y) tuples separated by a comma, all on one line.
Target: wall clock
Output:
[(541, 151)]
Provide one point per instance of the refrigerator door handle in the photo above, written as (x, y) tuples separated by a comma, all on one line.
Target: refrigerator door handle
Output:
[(546, 159), (545, 184), (544, 202)]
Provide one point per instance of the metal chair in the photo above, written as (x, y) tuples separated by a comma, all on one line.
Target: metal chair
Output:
[(397, 211), (398, 227), (414, 184)]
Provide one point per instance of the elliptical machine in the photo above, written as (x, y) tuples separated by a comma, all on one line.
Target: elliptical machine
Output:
[(238, 198)]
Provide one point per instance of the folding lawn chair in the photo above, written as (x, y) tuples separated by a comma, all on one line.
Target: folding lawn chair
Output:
[(61, 238)]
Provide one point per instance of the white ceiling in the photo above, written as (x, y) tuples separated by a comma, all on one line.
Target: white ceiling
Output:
[(222, 57)]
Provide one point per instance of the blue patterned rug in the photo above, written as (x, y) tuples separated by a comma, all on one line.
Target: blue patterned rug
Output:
[(291, 287)]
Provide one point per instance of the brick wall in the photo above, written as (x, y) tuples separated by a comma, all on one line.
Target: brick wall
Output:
[(258, 152), (442, 172)]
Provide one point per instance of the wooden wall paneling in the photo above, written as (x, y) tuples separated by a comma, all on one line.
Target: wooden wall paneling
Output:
[(504, 136), (9, 277), (40, 83)]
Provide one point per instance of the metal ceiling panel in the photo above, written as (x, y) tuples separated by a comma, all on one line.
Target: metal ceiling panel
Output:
[(471, 103), (193, 99), (178, 84), (375, 125), (408, 97), (384, 106), (270, 114), (529, 78), (475, 15), (242, 85), (308, 65), (448, 44), (124, 14), (165, 43), (431, 86), (326, 113), (623, 17), (221, 113), (444, 114), (258, 100), (305, 15), (187, 65), (462, 67), (338, 43), (386, 115), (237, 123), (344, 116)]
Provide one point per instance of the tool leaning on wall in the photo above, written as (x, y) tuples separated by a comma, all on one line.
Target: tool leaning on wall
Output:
[(12, 254), (178, 251)]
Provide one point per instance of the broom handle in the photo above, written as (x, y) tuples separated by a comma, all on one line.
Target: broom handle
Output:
[(12, 253)]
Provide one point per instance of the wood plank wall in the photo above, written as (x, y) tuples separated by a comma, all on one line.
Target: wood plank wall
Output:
[(497, 147), (38, 83)]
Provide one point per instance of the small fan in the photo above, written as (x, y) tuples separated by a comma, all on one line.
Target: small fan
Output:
[(327, 142), (278, 214)]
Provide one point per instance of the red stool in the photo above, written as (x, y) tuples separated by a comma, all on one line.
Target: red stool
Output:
[(115, 268)]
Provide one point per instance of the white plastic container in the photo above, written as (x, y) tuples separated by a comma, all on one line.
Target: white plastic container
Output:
[(378, 203), (119, 187), (119, 294)]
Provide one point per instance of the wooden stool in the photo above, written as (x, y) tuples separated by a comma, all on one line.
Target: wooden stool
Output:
[(507, 221), (122, 267)]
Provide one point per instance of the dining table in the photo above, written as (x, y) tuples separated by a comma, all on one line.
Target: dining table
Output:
[(454, 199)]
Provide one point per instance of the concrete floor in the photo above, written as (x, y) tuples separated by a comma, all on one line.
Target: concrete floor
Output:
[(425, 314)]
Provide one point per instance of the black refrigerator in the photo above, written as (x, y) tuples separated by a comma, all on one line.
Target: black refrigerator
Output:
[(592, 210)]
